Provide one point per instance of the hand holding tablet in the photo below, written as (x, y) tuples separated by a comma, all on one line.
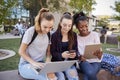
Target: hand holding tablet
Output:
[(91, 51)]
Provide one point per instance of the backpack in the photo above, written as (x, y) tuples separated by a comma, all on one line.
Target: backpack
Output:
[(34, 36)]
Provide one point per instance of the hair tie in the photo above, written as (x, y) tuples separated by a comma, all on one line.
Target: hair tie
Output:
[(68, 13)]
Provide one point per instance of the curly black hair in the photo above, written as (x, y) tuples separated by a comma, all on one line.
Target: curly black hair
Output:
[(79, 17)]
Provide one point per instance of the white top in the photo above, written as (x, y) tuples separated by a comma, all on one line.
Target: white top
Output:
[(37, 49), (19, 26), (92, 38)]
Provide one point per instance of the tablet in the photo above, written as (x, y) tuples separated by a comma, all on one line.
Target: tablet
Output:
[(89, 49), (55, 67)]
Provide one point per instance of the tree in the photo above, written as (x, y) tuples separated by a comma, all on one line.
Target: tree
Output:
[(57, 5), (5, 9), (117, 9), (82, 5), (33, 6)]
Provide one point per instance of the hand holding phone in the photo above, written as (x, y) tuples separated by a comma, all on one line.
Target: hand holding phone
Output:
[(72, 53)]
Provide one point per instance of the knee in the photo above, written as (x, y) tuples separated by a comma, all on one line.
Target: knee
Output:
[(90, 73), (73, 73)]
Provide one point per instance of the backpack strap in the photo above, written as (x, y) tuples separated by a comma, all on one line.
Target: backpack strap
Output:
[(49, 35), (35, 34), (33, 37)]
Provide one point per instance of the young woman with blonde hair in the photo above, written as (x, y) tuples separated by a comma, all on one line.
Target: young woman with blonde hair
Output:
[(33, 53)]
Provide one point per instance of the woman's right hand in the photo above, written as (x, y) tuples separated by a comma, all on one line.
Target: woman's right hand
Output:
[(98, 53), (82, 58), (38, 64), (65, 54)]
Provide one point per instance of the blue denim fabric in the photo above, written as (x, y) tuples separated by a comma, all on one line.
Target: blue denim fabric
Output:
[(27, 72), (61, 75), (89, 70)]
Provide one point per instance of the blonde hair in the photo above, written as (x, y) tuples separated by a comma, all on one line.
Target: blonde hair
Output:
[(43, 13)]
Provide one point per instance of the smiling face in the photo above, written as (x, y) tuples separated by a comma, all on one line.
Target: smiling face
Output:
[(83, 28), (66, 25), (46, 25)]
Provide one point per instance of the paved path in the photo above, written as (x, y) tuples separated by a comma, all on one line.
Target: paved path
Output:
[(10, 75), (8, 36)]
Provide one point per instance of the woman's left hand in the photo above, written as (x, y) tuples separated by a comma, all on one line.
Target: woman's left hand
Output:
[(98, 53)]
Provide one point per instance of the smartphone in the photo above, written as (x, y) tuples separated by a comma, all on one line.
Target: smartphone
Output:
[(72, 51), (36, 70)]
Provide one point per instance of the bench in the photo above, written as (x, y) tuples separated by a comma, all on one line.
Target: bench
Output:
[(10, 75), (13, 75), (104, 75)]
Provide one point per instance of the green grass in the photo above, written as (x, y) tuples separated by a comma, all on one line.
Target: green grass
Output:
[(13, 44), (12, 62), (104, 46)]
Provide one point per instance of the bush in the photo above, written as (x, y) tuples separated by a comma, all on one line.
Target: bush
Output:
[(118, 38)]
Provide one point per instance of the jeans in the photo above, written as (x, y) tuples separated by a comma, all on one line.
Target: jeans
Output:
[(71, 74), (89, 70), (27, 72)]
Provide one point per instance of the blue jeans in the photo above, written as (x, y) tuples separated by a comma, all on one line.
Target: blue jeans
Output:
[(67, 73), (89, 70), (27, 72)]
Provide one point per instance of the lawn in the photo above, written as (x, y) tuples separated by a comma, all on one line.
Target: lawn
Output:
[(13, 44), (104, 46), (12, 62)]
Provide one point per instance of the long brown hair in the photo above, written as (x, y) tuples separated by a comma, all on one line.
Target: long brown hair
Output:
[(43, 13), (70, 33)]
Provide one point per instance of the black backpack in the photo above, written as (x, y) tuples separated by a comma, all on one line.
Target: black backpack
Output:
[(34, 36)]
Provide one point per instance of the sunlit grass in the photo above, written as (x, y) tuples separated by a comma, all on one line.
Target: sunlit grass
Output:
[(13, 44), (12, 62)]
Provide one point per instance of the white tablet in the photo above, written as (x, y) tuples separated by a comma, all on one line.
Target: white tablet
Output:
[(55, 67), (89, 49)]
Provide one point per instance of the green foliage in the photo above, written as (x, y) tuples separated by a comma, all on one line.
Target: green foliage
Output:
[(117, 6), (117, 9), (57, 5), (118, 37), (82, 5), (34, 6), (103, 22), (5, 9), (75, 30), (104, 46)]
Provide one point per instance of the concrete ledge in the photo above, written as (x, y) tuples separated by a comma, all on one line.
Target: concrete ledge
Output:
[(13, 75), (104, 75), (10, 75)]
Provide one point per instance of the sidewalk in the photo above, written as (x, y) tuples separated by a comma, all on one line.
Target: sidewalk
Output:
[(10, 75), (8, 36)]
